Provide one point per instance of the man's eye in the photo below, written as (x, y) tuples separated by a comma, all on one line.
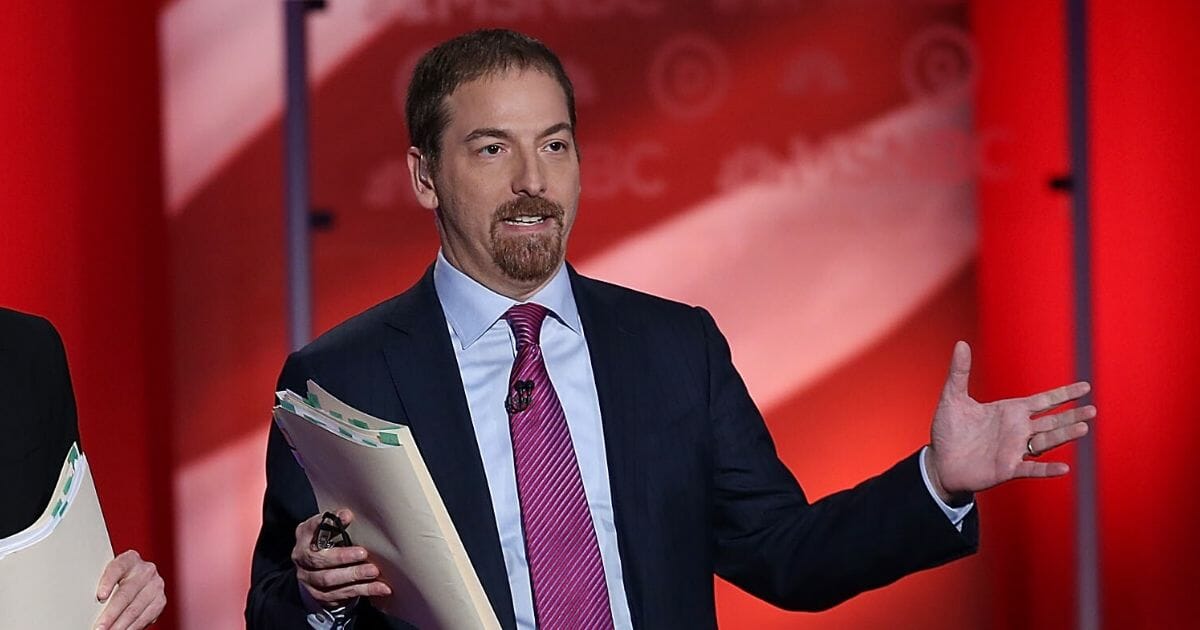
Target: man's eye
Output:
[(557, 146), (492, 149)]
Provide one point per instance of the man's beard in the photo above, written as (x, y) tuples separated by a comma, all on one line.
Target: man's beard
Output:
[(528, 257)]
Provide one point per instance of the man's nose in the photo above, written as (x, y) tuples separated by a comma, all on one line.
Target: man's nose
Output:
[(529, 180)]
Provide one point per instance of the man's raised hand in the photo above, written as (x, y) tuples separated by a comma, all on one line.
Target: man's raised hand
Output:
[(975, 446)]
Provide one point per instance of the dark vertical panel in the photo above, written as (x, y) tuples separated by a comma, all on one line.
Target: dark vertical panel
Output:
[(1087, 553), (296, 160)]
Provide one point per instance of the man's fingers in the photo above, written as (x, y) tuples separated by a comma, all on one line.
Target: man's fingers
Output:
[(145, 596), (329, 558), (116, 569), (332, 579), (336, 575), (960, 370), (116, 604), (1042, 469), (150, 614), (1063, 419), (1045, 401), (340, 595), (1048, 440)]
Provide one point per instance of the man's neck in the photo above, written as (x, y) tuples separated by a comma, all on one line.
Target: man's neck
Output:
[(511, 288)]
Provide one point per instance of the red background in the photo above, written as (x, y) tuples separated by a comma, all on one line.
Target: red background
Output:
[(157, 310)]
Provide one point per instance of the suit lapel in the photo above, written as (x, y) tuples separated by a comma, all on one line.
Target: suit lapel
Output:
[(425, 374), (612, 347)]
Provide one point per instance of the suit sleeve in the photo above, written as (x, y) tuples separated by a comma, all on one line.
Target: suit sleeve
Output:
[(770, 541)]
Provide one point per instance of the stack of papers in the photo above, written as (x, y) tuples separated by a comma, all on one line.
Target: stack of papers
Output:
[(50, 570), (373, 467)]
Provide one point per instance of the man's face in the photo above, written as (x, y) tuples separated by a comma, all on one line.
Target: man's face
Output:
[(506, 188)]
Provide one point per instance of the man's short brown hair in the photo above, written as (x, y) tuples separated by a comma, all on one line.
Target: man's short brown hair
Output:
[(467, 58)]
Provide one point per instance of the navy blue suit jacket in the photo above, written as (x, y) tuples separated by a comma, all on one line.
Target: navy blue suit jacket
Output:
[(696, 484)]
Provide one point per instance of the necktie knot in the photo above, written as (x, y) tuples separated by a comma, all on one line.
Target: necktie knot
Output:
[(526, 322)]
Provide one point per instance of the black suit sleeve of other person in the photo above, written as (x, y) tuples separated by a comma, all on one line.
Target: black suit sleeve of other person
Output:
[(39, 417)]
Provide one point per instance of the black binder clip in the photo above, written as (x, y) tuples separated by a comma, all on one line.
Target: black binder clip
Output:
[(330, 533)]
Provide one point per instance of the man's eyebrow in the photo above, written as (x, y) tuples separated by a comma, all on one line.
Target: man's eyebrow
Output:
[(488, 132), (562, 126), (500, 134)]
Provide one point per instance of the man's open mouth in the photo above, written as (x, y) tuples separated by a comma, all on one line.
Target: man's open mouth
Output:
[(525, 220)]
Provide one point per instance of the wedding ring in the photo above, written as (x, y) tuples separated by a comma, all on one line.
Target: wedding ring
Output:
[(1029, 447)]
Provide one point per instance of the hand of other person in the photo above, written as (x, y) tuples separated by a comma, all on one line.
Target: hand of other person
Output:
[(140, 593), (975, 446), (334, 577)]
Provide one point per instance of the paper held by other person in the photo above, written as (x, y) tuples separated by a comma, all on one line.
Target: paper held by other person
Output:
[(50, 570), (373, 467)]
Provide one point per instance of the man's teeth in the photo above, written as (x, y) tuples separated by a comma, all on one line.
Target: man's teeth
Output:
[(525, 220)]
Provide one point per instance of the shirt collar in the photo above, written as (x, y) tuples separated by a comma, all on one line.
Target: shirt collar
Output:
[(472, 308)]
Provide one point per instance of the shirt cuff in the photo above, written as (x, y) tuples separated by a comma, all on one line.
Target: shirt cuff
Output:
[(321, 618), (955, 514)]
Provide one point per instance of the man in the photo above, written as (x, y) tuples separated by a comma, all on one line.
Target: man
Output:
[(39, 428), (596, 449)]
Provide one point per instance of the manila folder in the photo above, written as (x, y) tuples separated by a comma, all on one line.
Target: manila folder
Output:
[(49, 571), (399, 517)]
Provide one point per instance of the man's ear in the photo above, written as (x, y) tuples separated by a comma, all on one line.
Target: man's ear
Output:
[(422, 179)]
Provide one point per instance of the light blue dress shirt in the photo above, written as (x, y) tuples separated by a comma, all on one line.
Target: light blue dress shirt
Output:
[(485, 348)]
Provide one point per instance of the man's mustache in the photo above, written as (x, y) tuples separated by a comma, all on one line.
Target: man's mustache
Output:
[(529, 207)]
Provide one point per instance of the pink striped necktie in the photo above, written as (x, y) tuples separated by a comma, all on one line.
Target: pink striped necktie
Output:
[(560, 542)]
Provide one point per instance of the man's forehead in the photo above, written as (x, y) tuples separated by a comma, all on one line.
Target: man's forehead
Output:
[(510, 94)]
